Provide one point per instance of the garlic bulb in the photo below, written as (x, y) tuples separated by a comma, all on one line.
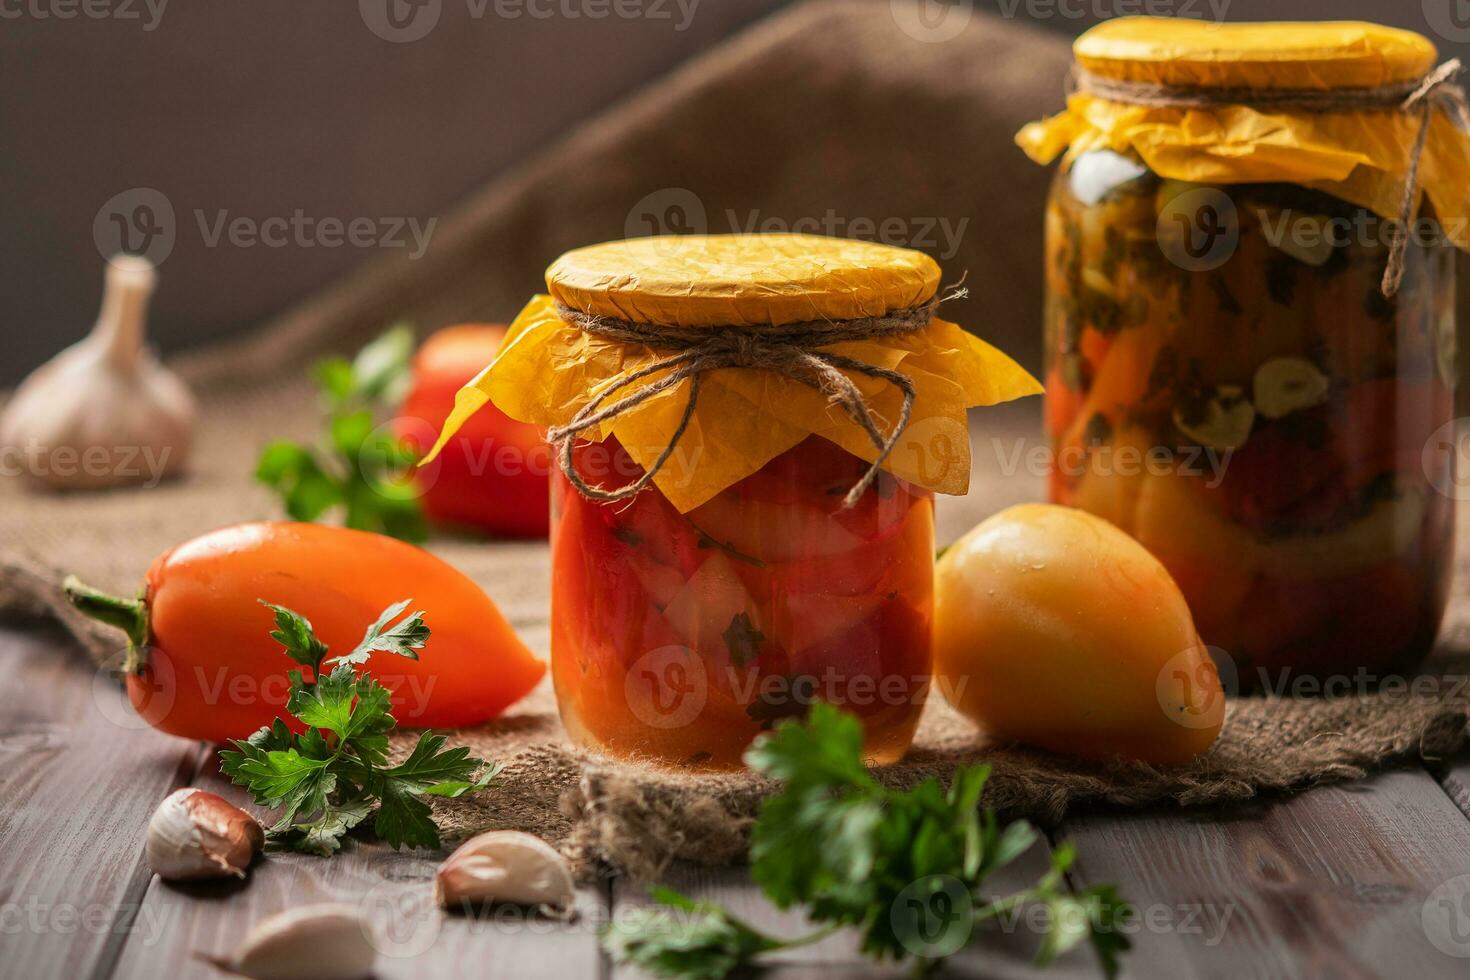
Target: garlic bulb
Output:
[(194, 834), (314, 942), (505, 866), (103, 412)]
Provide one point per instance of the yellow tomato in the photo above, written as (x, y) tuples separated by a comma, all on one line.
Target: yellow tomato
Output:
[(1053, 627)]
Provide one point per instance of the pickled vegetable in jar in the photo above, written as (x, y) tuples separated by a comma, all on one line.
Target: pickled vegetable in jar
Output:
[(1247, 363), (750, 431)]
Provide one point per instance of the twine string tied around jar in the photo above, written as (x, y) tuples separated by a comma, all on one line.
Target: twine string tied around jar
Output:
[(1434, 92), (791, 350)]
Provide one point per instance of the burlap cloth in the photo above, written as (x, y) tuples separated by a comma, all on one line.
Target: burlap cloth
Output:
[(736, 128)]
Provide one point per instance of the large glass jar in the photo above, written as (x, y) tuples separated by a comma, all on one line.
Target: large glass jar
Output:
[(683, 636), (1227, 381)]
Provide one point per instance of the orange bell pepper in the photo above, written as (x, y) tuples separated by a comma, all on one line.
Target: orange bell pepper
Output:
[(203, 664)]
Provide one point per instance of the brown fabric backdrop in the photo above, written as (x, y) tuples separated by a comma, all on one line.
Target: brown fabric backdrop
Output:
[(828, 107)]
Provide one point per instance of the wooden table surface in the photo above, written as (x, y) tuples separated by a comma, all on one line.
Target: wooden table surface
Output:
[(1335, 882), (1338, 881)]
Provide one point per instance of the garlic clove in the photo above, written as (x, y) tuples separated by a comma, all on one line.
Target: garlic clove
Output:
[(315, 942), (1284, 385), (505, 866), (1222, 422), (103, 412), (194, 834)]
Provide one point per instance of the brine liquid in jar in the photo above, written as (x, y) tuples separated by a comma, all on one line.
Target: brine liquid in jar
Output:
[(1256, 412), (681, 637)]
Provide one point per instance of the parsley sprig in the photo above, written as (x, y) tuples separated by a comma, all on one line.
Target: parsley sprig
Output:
[(328, 779), (893, 864), (357, 467)]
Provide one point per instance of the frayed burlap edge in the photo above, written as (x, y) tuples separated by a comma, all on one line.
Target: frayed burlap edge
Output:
[(638, 818)]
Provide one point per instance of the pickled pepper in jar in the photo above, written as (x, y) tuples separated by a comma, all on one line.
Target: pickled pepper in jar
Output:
[(748, 432), (1249, 354)]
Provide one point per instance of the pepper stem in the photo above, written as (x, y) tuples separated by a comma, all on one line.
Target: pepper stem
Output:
[(128, 615)]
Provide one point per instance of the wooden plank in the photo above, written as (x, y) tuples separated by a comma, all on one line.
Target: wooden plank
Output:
[(78, 782), (392, 888), (999, 953), (1455, 778), (1332, 882)]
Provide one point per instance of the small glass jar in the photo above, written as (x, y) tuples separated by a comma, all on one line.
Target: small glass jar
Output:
[(797, 402), (683, 636), (1255, 411)]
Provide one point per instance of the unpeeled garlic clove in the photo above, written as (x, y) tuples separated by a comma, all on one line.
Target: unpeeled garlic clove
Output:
[(315, 942), (194, 834), (103, 412), (505, 866)]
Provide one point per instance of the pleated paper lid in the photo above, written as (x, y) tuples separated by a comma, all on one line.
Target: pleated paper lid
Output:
[(744, 280), (1286, 54)]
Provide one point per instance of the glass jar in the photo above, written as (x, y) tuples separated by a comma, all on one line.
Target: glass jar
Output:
[(1254, 410), (797, 402), (683, 636)]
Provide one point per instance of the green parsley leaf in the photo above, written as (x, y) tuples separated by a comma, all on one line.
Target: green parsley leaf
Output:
[(380, 371), (323, 835), (343, 703), (304, 486), (827, 751), (336, 379), (405, 639), (683, 938), (350, 430), (293, 631), (453, 789), (1110, 915), (274, 775), (359, 468), (403, 818), (431, 763), (328, 779), (430, 769), (878, 849)]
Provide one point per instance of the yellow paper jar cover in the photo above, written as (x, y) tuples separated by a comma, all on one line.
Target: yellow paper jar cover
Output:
[(547, 369), (1361, 156)]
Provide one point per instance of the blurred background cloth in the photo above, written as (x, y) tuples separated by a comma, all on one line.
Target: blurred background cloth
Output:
[(241, 142)]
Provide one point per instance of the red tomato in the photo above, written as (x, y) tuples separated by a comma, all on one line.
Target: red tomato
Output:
[(493, 473)]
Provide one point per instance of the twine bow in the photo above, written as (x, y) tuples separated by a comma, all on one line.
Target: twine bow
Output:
[(792, 350), (1435, 92)]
